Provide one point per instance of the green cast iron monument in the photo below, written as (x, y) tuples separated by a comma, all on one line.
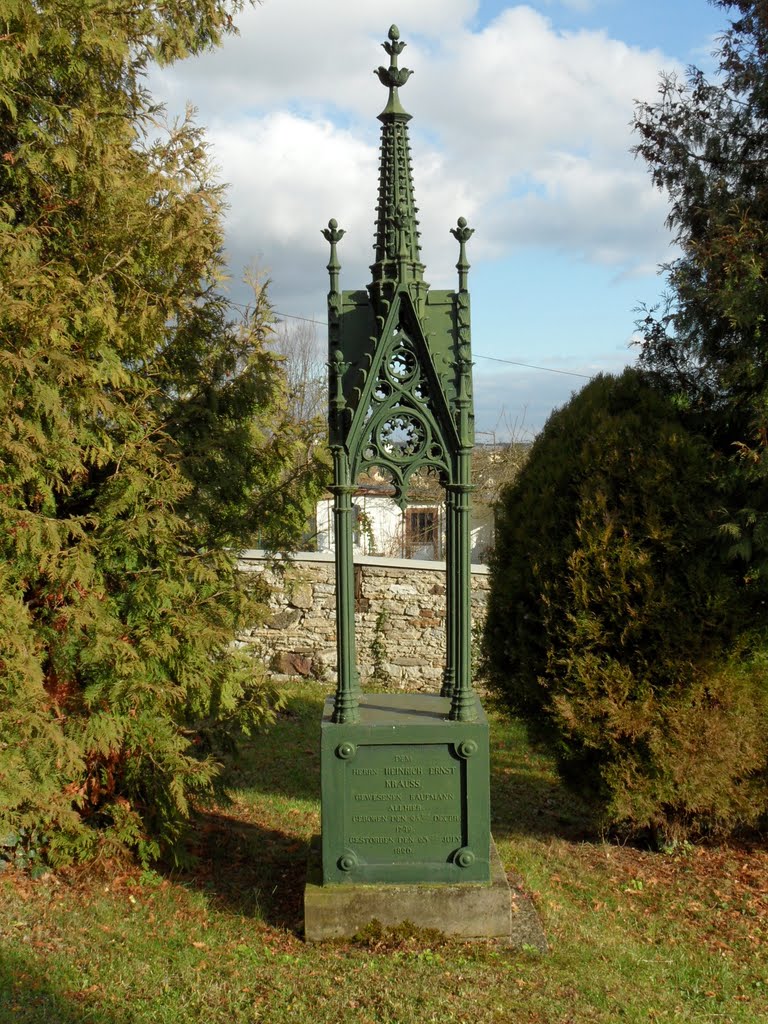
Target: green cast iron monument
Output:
[(405, 777)]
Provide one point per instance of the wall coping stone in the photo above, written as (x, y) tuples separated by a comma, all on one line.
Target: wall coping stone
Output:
[(258, 555)]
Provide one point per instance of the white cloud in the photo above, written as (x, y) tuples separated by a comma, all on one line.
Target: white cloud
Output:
[(605, 214), (519, 127), (288, 175), (311, 51)]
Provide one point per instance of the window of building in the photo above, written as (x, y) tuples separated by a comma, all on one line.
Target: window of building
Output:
[(421, 533)]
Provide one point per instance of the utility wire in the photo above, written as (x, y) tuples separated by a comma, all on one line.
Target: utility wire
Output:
[(306, 319), (549, 369), (477, 355)]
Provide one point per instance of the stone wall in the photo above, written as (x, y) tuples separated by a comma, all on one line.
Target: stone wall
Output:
[(399, 618)]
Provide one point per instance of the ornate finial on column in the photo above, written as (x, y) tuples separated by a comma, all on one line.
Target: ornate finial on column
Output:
[(333, 234), (338, 367), (462, 234), (393, 76)]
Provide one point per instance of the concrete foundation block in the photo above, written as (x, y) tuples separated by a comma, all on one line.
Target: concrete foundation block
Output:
[(463, 910)]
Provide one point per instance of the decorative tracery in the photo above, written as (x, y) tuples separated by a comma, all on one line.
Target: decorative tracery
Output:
[(402, 436)]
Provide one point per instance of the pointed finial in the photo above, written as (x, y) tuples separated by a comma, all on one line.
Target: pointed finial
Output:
[(333, 234), (394, 46), (462, 234), (393, 77)]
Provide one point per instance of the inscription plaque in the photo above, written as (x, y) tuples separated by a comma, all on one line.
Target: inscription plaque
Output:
[(403, 804), (405, 793)]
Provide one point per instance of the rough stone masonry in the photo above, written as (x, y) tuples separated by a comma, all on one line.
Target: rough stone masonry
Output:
[(399, 618)]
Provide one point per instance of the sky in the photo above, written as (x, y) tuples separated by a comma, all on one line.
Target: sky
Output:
[(521, 123)]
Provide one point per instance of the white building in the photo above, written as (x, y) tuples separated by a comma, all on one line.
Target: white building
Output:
[(382, 528)]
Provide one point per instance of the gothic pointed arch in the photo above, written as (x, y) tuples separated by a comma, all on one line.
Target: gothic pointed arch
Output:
[(403, 422)]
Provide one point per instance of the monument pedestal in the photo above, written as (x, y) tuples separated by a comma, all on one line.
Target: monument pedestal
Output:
[(405, 793), (406, 827)]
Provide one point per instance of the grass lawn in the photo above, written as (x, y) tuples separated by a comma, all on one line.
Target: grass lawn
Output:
[(634, 935)]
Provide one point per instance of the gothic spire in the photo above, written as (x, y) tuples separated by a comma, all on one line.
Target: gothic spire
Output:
[(397, 235)]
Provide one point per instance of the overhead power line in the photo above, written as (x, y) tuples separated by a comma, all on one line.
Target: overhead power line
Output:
[(477, 355), (306, 319), (531, 366)]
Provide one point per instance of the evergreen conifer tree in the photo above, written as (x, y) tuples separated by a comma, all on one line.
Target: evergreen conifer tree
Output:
[(141, 432), (706, 143)]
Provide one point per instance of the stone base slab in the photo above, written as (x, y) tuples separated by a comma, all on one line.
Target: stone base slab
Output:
[(462, 910)]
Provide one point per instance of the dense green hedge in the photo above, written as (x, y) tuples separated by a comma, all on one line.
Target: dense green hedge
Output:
[(614, 628)]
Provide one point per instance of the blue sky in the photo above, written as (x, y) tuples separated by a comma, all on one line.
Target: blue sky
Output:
[(521, 123)]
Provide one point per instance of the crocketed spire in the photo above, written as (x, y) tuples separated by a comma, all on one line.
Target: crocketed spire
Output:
[(397, 235)]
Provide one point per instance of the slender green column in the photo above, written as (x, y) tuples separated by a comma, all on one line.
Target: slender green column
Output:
[(347, 691), (463, 704), (449, 674)]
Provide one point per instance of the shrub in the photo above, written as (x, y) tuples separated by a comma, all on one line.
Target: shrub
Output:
[(612, 623)]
